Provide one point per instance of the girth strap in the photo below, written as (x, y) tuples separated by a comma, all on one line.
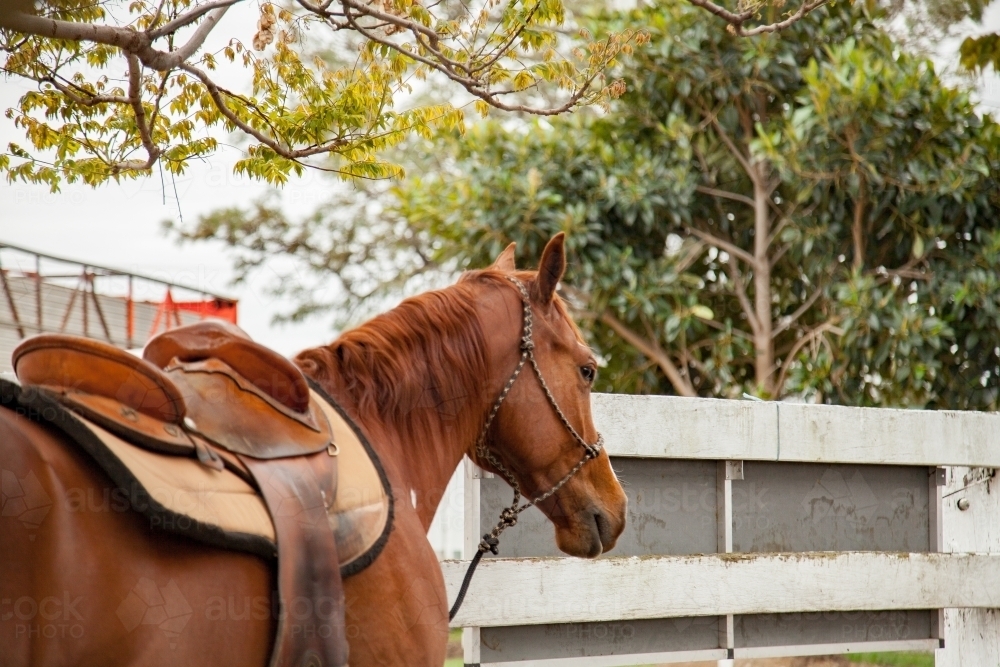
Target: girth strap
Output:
[(297, 491)]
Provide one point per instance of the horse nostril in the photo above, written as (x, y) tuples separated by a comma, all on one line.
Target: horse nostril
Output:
[(603, 527)]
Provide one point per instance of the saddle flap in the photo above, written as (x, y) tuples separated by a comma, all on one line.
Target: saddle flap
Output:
[(72, 365), (271, 373)]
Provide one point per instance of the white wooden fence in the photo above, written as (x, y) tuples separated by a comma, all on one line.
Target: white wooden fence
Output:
[(868, 529)]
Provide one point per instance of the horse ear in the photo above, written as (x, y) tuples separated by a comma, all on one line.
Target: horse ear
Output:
[(551, 268), (505, 260)]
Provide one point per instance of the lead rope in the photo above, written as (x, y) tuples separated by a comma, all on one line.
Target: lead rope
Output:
[(509, 515)]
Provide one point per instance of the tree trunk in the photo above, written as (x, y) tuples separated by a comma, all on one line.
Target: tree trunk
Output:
[(857, 229), (764, 362)]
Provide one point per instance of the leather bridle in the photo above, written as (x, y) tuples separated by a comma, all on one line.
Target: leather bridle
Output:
[(509, 515)]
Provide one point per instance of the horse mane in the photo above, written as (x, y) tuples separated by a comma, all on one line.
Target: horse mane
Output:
[(424, 359), (426, 354)]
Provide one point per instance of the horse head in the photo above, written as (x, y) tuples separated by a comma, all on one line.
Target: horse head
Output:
[(540, 433)]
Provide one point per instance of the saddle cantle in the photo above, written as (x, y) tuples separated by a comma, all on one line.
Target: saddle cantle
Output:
[(265, 440)]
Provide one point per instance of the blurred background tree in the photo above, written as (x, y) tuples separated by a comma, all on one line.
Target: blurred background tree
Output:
[(811, 215)]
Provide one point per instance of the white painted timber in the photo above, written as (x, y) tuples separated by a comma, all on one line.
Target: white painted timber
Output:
[(836, 649), (702, 428), (894, 437), (972, 636), (617, 660), (529, 591), (688, 428)]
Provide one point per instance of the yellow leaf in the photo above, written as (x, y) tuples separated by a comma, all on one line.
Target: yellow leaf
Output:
[(523, 80), (702, 312), (482, 108)]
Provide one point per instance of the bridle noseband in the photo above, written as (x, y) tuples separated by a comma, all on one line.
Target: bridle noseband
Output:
[(508, 517)]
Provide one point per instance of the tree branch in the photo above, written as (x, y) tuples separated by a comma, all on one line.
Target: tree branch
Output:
[(804, 9), (128, 40), (857, 227), (736, 21), (123, 38), (732, 249), (188, 18), (135, 101), (652, 351), (284, 151), (741, 295), (447, 66), (742, 159), (786, 322), (723, 13), (829, 325), (73, 92), (161, 61), (725, 194)]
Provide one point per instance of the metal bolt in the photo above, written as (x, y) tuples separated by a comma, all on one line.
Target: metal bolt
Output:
[(963, 504)]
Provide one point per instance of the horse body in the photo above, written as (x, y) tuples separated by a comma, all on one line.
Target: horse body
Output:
[(84, 581)]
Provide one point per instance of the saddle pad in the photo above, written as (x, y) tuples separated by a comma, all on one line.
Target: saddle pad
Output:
[(220, 508)]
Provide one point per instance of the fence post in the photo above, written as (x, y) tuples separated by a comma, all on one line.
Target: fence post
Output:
[(970, 510), (470, 636)]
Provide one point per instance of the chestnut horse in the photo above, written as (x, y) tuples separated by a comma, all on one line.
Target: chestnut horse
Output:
[(421, 381)]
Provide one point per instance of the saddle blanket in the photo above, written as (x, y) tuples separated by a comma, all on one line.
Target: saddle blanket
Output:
[(222, 507)]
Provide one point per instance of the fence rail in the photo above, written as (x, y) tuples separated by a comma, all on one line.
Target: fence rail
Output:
[(705, 428), (755, 529)]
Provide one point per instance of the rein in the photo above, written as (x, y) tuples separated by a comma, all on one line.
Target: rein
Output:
[(509, 515)]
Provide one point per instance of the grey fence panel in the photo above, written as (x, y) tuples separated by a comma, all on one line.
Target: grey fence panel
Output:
[(671, 510), (674, 509), (835, 627), (818, 507), (584, 640)]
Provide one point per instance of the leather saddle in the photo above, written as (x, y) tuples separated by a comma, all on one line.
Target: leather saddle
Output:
[(268, 448), (203, 382)]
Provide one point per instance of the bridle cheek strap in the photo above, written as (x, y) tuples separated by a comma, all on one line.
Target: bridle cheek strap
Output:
[(509, 515)]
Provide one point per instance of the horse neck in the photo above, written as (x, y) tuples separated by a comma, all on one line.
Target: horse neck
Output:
[(425, 449)]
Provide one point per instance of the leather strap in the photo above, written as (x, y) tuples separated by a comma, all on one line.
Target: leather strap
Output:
[(311, 622)]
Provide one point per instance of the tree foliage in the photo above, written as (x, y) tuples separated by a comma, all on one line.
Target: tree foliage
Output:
[(813, 215), (127, 85), (87, 122), (983, 51)]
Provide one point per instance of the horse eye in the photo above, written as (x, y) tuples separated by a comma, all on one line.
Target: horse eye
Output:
[(589, 373)]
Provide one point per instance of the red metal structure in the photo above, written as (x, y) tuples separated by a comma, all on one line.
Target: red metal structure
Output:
[(44, 293)]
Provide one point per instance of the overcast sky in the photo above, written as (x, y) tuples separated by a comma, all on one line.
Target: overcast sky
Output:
[(119, 225)]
